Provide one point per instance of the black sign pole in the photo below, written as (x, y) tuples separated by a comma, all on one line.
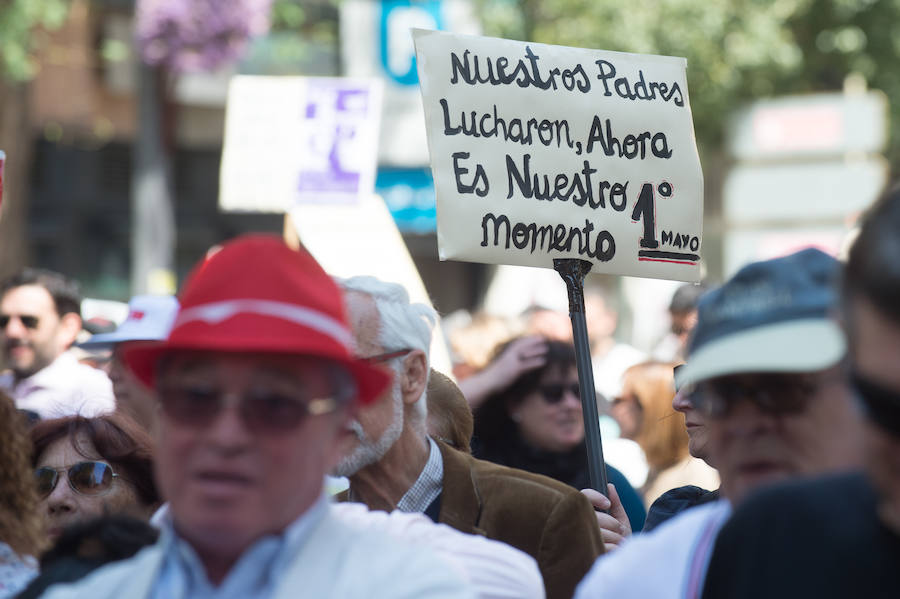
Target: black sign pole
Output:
[(573, 271)]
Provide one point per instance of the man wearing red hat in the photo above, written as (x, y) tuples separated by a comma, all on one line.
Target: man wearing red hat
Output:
[(256, 384)]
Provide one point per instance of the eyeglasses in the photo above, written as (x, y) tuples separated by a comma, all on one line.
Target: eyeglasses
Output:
[(379, 358), (554, 393), (777, 394), (264, 412), (29, 322), (85, 478)]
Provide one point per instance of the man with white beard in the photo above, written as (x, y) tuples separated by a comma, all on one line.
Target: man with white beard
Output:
[(394, 464), (367, 450)]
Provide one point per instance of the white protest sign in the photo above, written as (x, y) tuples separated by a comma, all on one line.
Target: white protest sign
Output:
[(292, 140), (364, 240), (541, 152)]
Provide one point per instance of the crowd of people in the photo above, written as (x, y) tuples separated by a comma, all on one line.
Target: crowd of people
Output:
[(186, 452)]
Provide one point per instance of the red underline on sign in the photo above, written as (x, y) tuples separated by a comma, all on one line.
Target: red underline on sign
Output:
[(667, 261)]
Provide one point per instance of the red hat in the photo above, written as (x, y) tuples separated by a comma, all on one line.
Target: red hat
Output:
[(258, 295)]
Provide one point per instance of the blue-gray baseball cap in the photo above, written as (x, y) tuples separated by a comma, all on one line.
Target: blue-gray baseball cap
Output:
[(772, 316)]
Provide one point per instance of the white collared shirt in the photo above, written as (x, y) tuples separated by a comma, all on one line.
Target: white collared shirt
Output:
[(323, 559), (255, 574), (494, 569), (63, 388)]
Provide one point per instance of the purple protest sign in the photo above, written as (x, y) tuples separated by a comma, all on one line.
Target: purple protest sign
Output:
[(299, 140), (336, 148)]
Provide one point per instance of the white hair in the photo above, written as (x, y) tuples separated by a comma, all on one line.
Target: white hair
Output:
[(402, 325)]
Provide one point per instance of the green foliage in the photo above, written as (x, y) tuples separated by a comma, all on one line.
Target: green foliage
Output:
[(317, 20), (737, 50), (302, 32), (288, 15), (18, 20)]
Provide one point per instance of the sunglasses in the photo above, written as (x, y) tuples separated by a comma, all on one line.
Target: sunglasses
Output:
[(198, 406), (554, 393), (85, 478), (773, 394), (29, 322)]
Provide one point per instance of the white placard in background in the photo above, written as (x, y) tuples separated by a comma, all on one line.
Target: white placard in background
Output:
[(364, 240), (292, 140), (541, 152)]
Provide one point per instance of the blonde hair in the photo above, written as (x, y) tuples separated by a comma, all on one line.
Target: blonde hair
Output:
[(662, 434)]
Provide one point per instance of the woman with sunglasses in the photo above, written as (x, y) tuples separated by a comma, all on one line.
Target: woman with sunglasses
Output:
[(88, 467), (536, 424)]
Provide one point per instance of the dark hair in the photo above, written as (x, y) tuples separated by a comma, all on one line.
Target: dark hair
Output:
[(115, 437), (87, 545), (873, 268), (64, 291), (21, 521), (492, 417)]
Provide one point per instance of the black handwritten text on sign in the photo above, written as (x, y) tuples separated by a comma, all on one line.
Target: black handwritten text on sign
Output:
[(645, 211), (544, 151)]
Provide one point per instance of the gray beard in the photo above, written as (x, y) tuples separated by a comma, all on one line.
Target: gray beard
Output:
[(369, 451)]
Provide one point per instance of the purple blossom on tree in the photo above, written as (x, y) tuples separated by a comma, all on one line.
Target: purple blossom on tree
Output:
[(198, 35)]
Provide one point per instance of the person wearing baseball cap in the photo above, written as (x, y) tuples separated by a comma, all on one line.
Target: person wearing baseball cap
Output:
[(766, 368), (256, 384), (150, 318), (837, 536)]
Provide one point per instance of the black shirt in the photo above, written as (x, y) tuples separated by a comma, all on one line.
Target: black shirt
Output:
[(819, 538), (570, 467), (674, 501)]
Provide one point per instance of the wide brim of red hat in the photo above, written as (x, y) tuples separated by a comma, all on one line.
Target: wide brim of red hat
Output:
[(143, 358)]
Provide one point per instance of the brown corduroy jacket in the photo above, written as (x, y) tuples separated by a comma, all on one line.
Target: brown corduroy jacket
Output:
[(548, 520)]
